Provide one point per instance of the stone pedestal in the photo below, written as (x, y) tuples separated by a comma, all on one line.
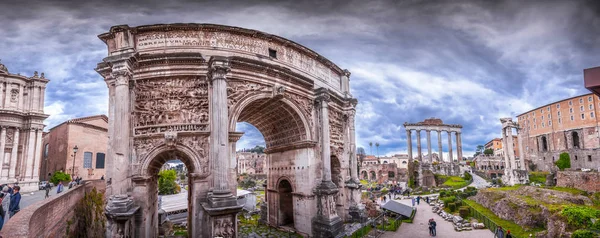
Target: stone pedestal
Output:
[(356, 210), (327, 223), (223, 221), (119, 212)]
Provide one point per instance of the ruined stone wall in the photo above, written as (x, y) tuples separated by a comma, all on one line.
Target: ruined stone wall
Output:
[(48, 218), (587, 181)]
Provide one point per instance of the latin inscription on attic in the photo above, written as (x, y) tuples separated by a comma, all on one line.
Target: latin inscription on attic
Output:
[(226, 40)]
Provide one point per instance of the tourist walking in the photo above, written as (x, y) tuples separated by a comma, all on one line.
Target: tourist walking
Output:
[(5, 203), (47, 188), (432, 225), (413, 201), (15, 199), (418, 200), (427, 200), (499, 232), (508, 235), (60, 187), (2, 213)]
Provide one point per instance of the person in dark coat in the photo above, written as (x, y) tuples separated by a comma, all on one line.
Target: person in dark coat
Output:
[(15, 200), (432, 226)]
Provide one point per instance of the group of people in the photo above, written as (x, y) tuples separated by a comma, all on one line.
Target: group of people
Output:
[(10, 199), (432, 224)]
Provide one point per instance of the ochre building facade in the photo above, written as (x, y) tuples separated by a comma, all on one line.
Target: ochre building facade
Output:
[(569, 125), (496, 145), (21, 127), (90, 135)]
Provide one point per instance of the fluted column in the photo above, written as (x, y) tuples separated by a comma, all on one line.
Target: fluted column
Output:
[(450, 146), (419, 154), (42, 96), (219, 67), (458, 146), (13, 155), (440, 152), (521, 152), (20, 98), (119, 153), (2, 147), (30, 154), (429, 145), (38, 154), (409, 143), (352, 137), (323, 101), (7, 96)]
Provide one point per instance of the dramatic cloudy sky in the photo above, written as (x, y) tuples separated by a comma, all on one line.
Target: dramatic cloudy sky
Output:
[(467, 63)]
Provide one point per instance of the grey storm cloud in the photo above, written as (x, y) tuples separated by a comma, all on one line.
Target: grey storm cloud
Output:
[(466, 62)]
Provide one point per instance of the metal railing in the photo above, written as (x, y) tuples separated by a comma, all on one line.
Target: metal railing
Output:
[(491, 225)]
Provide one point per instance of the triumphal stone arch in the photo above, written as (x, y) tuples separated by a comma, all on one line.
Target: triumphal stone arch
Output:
[(177, 92)]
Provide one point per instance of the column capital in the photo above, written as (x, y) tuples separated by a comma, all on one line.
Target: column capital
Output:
[(218, 68), (323, 95)]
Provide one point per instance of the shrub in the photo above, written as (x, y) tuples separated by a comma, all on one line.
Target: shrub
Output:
[(564, 161), (463, 211), (447, 200), (583, 234), (60, 176), (580, 216), (452, 207), (468, 176)]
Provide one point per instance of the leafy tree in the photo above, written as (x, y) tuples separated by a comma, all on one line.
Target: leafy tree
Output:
[(371, 146), (166, 182), (479, 150), (564, 161), (59, 176), (247, 183), (488, 152), (257, 149), (472, 163)]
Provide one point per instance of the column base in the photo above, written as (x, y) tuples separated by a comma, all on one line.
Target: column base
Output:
[(119, 214), (358, 214), (222, 200), (222, 220), (327, 228)]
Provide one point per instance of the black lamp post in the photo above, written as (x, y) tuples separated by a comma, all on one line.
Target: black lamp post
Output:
[(74, 154)]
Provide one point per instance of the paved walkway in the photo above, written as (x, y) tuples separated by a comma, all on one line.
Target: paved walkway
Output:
[(419, 227)]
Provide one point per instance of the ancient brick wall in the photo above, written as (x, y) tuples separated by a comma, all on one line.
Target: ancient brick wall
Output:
[(587, 181), (48, 218)]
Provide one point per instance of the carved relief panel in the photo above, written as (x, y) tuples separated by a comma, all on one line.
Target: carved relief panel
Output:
[(170, 104), (224, 227), (336, 130), (238, 89)]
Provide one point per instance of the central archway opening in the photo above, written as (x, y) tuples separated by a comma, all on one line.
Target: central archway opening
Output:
[(279, 125)]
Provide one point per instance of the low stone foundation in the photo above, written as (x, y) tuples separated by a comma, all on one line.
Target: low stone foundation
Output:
[(48, 218), (587, 181)]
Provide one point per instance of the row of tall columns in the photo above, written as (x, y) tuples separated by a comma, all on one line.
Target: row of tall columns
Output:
[(33, 103), (31, 155), (429, 150)]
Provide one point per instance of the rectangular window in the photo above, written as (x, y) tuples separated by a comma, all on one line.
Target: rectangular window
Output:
[(570, 103), (99, 160), (589, 158), (533, 113), (558, 113), (572, 118), (542, 117), (571, 110), (580, 100), (589, 98), (46, 150), (549, 123), (533, 120), (559, 121), (272, 53), (582, 116), (543, 125), (549, 116), (542, 110), (548, 109), (592, 114), (581, 108), (558, 106), (87, 160), (591, 107)]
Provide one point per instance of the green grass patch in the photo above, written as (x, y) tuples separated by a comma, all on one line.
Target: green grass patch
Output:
[(573, 191), (515, 229), (455, 181), (507, 188), (390, 225), (538, 177)]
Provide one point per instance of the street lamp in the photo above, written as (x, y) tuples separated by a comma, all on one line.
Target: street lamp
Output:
[(74, 153)]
